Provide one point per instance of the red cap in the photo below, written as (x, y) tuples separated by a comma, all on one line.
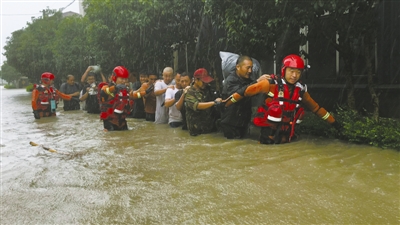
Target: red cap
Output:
[(203, 75)]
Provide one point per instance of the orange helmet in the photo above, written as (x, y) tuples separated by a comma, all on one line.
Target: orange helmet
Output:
[(120, 71), (292, 61)]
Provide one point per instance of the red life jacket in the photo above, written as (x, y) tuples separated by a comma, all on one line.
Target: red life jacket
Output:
[(121, 102), (55, 95), (44, 99), (282, 109), (111, 107), (129, 107), (105, 106)]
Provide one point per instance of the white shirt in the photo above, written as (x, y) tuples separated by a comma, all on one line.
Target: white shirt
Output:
[(174, 114), (161, 110), (83, 103)]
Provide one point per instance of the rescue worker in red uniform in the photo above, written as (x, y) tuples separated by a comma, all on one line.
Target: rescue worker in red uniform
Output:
[(114, 100), (45, 97), (283, 107)]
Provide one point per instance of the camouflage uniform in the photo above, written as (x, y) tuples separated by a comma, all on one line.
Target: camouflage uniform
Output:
[(199, 121)]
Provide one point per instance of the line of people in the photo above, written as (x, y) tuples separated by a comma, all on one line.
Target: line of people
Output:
[(189, 102)]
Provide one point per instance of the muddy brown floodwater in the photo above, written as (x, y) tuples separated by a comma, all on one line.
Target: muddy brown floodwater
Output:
[(153, 174)]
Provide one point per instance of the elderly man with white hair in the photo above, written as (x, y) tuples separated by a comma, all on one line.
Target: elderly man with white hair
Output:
[(160, 87)]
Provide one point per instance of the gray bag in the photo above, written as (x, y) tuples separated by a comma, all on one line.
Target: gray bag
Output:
[(229, 65)]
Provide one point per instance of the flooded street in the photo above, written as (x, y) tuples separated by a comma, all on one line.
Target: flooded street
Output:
[(153, 174)]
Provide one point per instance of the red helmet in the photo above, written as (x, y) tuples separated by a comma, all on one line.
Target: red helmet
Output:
[(292, 61), (120, 71), (47, 75)]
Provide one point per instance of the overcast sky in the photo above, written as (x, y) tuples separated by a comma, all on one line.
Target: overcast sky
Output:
[(15, 14)]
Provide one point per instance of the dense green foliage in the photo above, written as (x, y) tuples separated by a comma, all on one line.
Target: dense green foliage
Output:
[(364, 129), (9, 73), (261, 28), (140, 33), (30, 50), (29, 88), (69, 54), (9, 86), (356, 128)]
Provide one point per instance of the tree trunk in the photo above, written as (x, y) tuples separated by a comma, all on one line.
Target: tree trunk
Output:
[(348, 74), (371, 85), (215, 76)]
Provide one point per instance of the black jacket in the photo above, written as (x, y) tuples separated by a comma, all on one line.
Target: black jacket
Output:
[(138, 106), (238, 114)]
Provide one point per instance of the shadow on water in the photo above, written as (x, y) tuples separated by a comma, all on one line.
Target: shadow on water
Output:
[(153, 174)]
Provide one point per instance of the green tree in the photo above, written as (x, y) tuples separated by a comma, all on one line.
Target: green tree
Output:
[(9, 73), (70, 49), (355, 22), (259, 28), (139, 34), (30, 49)]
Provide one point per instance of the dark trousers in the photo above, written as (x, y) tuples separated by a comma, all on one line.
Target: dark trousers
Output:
[(272, 136), (150, 117), (175, 124), (267, 135), (184, 125), (138, 115), (71, 105), (232, 132), (111, 127)]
